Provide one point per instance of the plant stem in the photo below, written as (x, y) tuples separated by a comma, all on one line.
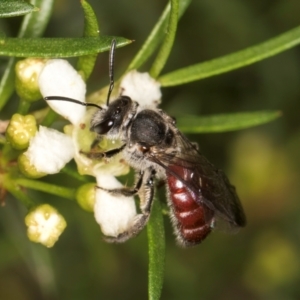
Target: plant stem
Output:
[(49, 188), (50, 117), (8, 154), (23, 107), (10, 185), (72, 173)]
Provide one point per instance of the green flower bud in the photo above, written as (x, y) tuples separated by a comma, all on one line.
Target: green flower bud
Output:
[(45, 225), (20, 130), (85, 196), (27, 169), (27, 74)]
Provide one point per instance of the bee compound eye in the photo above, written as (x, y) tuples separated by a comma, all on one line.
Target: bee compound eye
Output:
[(103, 127)]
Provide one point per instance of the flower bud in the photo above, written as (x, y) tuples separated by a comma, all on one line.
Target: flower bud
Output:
[(27, 73), (85, 196), (45, 225), (27, 169), (20, 130)]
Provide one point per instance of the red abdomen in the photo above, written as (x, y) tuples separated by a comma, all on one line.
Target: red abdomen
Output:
[(193, 220)]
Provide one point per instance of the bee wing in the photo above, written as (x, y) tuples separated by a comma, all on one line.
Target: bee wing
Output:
[(207, 181)]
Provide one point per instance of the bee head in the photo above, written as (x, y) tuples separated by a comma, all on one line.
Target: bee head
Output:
[(114, 117)]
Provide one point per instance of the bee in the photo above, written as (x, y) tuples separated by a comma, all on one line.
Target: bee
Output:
[(198, 194)]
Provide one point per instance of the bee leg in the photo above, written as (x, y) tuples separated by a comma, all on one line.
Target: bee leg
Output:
[(108, 154), (124, 191), (195, 145), (140, 220)]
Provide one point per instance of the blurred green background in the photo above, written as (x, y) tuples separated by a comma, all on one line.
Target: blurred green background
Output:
[(261, 261)]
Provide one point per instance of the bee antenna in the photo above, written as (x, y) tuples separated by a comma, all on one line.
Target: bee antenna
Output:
[(72, 100), (111, 68)]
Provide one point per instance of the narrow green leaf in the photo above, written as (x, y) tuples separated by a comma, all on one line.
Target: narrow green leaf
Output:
[(57, 47), (7, 83), (166, 47), (225, 122), (156, 35), (33, 25), (233, 61), (156, 244), (13, 8), (86, 63)]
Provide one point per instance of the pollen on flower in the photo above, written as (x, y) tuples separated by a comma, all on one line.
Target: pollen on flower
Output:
[(50, 150), (141, 87), (59, 78), (45, 225), (113, 213)]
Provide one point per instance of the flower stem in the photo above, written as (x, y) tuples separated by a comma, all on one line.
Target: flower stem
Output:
[(23, 107), (8, 154), (49, 188), (10, 185), (50, 117), (72, 173)]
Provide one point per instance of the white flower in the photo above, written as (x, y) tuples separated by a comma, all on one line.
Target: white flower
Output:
[(114, 214), (45, 225), (142, 88), (50, 150), (59, 78)]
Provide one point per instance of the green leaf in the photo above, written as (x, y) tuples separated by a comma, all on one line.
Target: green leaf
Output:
[(13, 8), (33, 25), (156, 244), (57, 47), (86, 63), (166, 47), (225, 122), (156, 36), (233, 61), (7, 83)]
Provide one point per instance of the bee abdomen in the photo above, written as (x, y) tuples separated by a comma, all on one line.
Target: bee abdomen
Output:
[(193, 220)]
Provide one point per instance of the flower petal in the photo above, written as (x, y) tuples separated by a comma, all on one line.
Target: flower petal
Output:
[(141, 88), (114, 214), (50, 150), (59, 78)]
